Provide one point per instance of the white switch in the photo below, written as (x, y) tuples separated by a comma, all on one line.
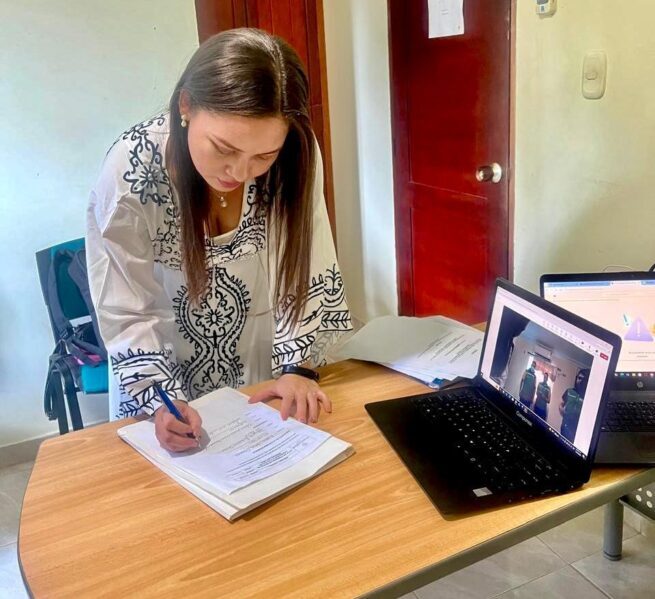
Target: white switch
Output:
[(594, 74)]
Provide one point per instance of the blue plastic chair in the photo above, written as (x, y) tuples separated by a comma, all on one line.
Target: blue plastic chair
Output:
[(66, 376)]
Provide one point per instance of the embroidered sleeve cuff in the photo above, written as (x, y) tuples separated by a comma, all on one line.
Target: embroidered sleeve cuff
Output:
[(136, 372)]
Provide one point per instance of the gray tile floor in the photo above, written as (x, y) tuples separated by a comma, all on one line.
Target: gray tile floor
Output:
[(13, 481), (561, 563)]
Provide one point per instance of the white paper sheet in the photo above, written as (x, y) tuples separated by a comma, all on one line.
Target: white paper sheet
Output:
[(426, 348), (445, 18), (240, 444), (253, 445), (455, 352)]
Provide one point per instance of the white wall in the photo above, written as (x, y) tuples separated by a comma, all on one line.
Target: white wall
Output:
[(584, 168), (73, 75), (358, 87)]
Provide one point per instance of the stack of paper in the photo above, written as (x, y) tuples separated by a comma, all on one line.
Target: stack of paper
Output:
[(247, 453), (430, 349)]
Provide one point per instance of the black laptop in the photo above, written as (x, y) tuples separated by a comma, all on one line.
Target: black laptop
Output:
[(623, 302), (509, 434)]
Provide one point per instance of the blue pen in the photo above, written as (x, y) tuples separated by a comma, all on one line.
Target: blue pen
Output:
[(436, 383), (171, 406)]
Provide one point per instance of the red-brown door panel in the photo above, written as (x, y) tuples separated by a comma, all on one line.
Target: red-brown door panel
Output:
[(461, 252)]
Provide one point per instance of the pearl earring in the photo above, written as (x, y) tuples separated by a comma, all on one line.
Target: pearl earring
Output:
[(184, 121), (222, 202)]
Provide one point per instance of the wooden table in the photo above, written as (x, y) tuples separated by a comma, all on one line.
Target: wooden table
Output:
[(99, 520)]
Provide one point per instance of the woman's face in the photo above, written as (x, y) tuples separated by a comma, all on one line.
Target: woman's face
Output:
[(227, 149)]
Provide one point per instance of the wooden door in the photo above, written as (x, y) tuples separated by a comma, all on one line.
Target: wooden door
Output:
[(300, 23), (450, 115)]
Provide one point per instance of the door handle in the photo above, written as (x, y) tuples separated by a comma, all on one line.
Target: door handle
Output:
[(489, 172)]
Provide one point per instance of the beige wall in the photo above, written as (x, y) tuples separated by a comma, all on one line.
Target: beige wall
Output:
[(584, 168)]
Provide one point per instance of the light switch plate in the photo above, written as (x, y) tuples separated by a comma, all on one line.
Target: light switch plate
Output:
[(546, 8), (594, 74)]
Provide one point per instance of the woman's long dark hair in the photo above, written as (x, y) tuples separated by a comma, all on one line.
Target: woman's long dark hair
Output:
[(248, 72)]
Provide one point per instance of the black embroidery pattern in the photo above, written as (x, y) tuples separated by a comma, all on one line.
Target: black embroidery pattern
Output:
[(294, 351), (166, 244), (150, 182), (326, 320), (135, 371), (214, 328), (249, 238), (335, 319), (147, 176), (336, 316)]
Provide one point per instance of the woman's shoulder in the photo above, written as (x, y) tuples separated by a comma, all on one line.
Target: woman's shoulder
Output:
[(135, 163), (145, 132), (147, 138)]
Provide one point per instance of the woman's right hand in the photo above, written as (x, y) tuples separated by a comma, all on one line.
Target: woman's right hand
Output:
[(171, 433)]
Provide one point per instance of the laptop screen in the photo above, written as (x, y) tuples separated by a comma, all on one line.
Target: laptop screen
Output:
[(553, 371), (623, 306)]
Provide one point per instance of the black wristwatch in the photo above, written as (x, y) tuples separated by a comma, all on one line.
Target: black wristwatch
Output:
[(308, 373)]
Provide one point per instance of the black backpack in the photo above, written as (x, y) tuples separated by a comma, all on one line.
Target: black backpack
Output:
[(77, 339), (82, 340)]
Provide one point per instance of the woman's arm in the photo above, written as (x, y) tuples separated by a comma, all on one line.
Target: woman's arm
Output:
[(134, 316)]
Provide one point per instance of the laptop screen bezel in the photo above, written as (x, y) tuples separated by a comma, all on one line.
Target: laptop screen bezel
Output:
[(630, 381), (529, 423)]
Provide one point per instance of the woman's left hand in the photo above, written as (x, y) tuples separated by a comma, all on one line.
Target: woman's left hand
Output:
[(301, 397)]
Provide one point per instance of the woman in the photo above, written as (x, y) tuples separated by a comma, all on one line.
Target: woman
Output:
[(210, 256)]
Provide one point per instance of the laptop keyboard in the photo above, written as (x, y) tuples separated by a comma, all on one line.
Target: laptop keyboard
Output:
[(630, 416), (491, 448)]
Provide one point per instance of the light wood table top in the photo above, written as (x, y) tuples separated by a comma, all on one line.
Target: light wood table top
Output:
[(99, 520)]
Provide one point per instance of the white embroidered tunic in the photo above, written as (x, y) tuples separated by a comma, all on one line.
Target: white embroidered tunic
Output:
[(236, 334)]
